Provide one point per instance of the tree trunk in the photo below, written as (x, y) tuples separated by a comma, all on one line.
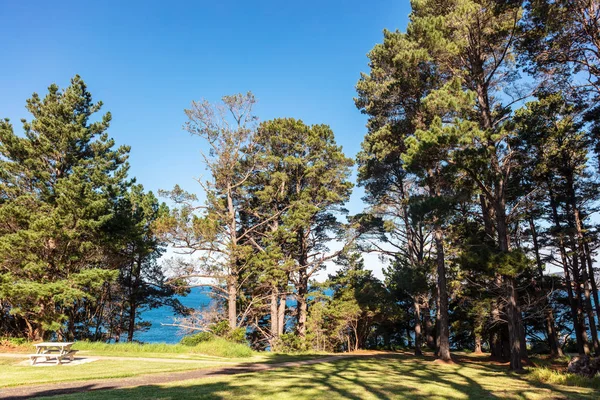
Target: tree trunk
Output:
[(514, 332), (584, 264), (555, 350), (274, 317), (578, 296), (496, 341), (132, 312), (593, 282), (302, 307), (513, 315), (522, 336), (477, 349), (429, 332), (281, 313), (579, 337), (592, 276), (418, 333), (232, 304), (134, 283), (444, 330), (590, 314), (302, 289)]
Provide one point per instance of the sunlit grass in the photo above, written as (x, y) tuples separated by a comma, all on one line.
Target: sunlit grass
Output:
[(216, 347), (546, 375), (384, 377), (14, 374)]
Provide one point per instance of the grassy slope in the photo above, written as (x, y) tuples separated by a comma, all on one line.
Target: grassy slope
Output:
[(216, 348), (387, 377)]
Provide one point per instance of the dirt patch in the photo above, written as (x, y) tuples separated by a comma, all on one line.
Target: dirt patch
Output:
[(444, 362)]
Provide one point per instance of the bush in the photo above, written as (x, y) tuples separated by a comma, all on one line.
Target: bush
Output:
[(14, 343), (238, 335), (290, 343), (193, 340), (220, 329)]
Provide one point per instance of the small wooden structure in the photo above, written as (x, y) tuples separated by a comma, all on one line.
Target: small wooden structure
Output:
[(53, 350)]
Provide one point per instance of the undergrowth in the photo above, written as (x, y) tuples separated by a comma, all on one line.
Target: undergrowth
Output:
[(552, 377)]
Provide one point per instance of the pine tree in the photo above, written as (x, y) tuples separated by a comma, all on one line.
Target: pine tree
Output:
[(305, 174), (58, 184)]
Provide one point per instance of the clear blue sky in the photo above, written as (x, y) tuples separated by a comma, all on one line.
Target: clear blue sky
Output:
[(147, 60)]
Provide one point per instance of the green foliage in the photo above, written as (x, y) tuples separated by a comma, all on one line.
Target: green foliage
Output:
[(237, 335), (290, 343), (193, 340), (76, 236), (220, 329), (58, 184)]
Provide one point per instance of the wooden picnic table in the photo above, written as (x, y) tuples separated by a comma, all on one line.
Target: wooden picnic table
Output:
[(55, 350)]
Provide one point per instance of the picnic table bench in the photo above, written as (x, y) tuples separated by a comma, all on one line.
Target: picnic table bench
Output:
[(53, 350)]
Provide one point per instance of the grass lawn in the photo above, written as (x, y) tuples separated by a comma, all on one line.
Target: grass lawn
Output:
[(14, 374), (385, 377)]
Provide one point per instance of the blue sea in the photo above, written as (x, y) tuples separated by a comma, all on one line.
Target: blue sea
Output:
[(158, 333)]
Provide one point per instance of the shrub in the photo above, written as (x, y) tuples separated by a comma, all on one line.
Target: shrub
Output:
[(289, 343), (220, 328), (193, 340), (238, 335), (14, 343)]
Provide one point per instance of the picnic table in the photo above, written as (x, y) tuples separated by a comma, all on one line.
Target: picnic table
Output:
[(53, 350)]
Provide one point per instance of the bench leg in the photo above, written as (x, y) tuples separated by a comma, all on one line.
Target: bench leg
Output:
[(33, 360)]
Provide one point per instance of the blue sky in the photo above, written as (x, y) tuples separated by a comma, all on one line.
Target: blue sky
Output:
[(148, 60)]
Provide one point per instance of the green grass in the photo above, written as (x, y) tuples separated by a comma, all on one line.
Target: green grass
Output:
[(546, 375), (385, 377), (216, 348), (14, 374)]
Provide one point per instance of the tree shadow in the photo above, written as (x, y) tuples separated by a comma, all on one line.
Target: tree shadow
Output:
[(384, 376)]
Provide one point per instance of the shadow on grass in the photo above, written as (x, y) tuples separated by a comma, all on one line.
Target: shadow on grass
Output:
[(385, 376)]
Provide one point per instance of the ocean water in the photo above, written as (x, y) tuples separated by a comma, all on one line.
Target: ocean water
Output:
[(158, 333)]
